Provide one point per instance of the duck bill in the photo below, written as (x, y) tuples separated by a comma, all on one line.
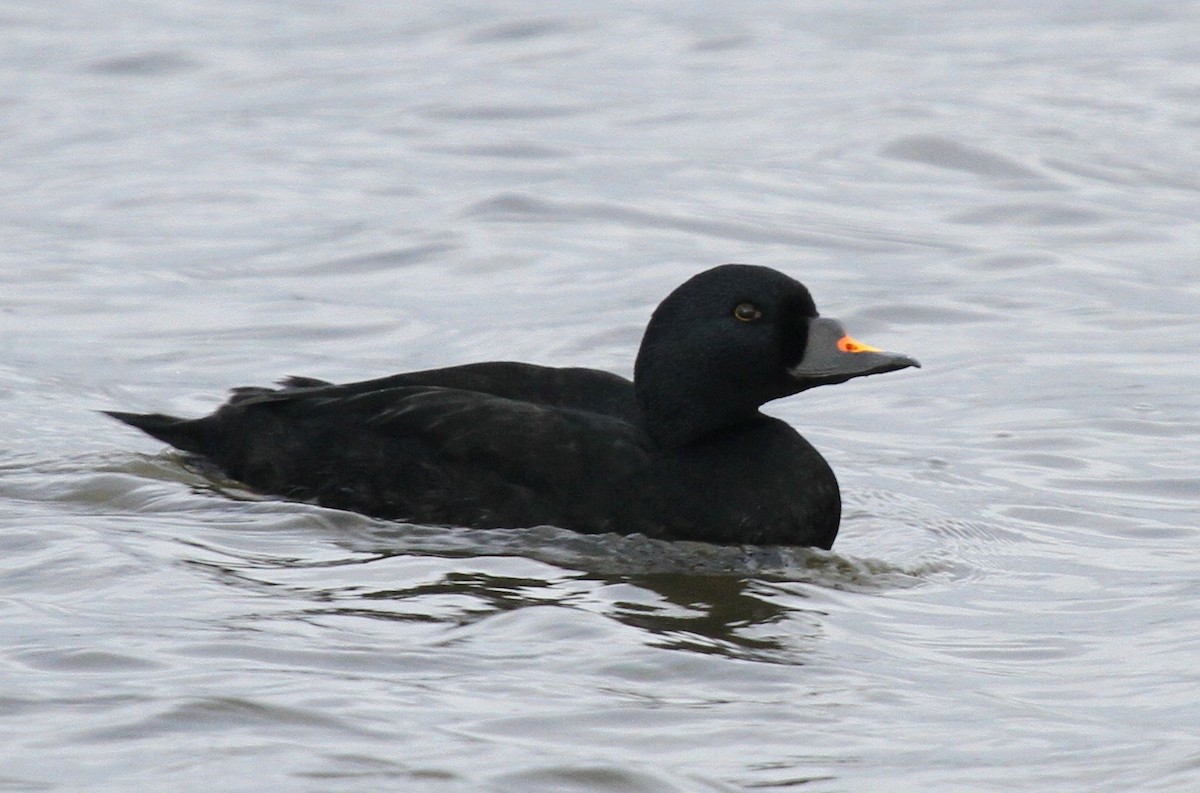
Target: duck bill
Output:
[(832, 356)]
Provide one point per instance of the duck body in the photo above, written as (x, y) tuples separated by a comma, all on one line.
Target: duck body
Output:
[(679, 452)]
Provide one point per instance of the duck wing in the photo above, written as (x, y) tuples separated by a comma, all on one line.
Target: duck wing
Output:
[(425, 454), (577, 388)]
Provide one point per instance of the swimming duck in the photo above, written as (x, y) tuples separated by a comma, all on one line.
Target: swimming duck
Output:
[(680, 452)]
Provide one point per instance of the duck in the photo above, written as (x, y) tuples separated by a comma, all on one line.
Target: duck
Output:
[(680, 452)]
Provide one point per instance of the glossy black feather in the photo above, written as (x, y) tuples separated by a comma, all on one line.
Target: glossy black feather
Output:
[(683, 454)]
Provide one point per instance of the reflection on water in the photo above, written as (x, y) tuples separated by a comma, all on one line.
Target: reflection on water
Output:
[(681, 595)]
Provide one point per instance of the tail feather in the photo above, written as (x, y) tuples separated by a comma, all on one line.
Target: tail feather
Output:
[(187, 434)]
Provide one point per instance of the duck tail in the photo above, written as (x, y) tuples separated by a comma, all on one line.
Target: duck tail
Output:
[(190, 435)]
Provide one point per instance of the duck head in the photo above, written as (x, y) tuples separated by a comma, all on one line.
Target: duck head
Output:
[(732, 338)]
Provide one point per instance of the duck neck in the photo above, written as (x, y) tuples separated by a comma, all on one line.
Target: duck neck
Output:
[(675, 414)]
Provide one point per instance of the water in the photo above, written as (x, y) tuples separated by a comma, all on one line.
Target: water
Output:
[(203, 195)]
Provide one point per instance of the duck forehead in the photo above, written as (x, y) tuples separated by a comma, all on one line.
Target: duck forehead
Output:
[(784, 300), (800, 303), (734, 283)]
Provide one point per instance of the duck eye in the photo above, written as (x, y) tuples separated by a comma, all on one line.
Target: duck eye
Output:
[(747, 312)]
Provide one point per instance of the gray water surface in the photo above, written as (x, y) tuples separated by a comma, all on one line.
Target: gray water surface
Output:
[(203, 195)]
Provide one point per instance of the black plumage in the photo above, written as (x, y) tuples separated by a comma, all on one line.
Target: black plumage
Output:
[(681, 452)]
